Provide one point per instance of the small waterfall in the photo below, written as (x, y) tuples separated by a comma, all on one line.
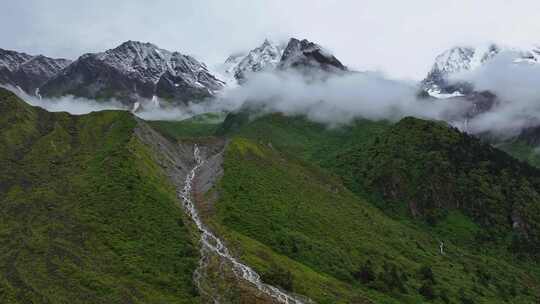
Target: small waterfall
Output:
[(38, 95), (212, 243), (155, 101)]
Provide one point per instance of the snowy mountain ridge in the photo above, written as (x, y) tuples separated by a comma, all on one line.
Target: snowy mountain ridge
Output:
[(306, 54), (28, 72), (466, 58), (11, 60), (136, 57), (265, 57), (269, 56), (136, 70)]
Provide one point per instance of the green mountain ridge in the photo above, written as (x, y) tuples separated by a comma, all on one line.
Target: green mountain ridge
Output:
[(413, 144), (370, 212), (87, 216), (433, 169)]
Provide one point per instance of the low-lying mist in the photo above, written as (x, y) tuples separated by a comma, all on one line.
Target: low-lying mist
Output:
[(339, 99), (70, 104), (148, 110), (329, 99), (516, 83)]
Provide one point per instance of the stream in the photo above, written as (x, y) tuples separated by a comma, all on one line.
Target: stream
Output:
[(210, 242)]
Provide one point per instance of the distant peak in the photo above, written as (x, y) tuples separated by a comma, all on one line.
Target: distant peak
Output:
[(11, 52), (468, 58), (300, 41), (136, 44), (264, 57), (304, 53)]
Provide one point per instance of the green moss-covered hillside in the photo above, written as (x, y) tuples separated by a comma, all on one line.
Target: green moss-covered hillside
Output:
[(371, 212), (86, 216), (307, 233), (298, 190), (434, 169), (301, 138), (414, 167)]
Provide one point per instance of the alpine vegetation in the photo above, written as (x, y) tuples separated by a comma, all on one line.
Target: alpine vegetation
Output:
[(221, 167)]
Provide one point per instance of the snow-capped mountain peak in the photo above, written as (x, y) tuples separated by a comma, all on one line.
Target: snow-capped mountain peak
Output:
[(135, 70), (306, 54), (270, 56), (264, 57), (28, 72), (11, 60), (461, 59), (44, 65), (458, 59), (143, 58)]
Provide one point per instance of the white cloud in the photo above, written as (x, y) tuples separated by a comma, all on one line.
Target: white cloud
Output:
[(148, 111), (70, 104), (338, 99), (516, 85)]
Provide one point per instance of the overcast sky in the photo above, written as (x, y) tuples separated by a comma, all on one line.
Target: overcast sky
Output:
[(400, 38)]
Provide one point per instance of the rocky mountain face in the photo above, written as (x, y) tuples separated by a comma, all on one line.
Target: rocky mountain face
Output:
[(230, 64), (187, 79), (461, 59), (295, 54), (136, 71), (132, 71), (441, 81), (451, 62), (26, 71), (303, 54), (265, 57)]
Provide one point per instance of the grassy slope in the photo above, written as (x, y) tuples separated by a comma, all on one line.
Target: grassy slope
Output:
[(277, 208), (305, 143), (86, 216), (423, 154), (304, 231), (198, 126), (301, 138)]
